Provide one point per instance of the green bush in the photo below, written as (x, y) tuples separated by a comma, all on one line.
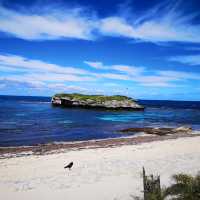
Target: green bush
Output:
[(97, 98), (185, 187)]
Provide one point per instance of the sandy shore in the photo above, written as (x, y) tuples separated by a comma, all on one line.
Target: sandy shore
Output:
[(100, 174), (49, 148)]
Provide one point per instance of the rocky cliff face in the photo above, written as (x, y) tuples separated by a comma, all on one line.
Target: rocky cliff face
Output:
[(96, 101)]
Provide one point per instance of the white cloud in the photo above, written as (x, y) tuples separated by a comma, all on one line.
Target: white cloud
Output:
[(96, 65), (142, 76), (165, 29), (63, 87), (158, 84), (155, 80), (118, 68), (47, 24), (20, 83), (13, 62), (179, 75), (53, 77), (38, 74), (131, 70), (190, 60), (115, 76), (163, 23), (20, 72), (55, 87), (116, 26)]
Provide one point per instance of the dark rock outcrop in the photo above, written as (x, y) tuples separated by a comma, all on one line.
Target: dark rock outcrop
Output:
[(158, 131), (96, 101)]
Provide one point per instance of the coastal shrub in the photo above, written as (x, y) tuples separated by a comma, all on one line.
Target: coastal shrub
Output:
[(185, 187), (98, 98)]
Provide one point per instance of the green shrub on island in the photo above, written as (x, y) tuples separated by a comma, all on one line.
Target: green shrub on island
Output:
[(97, 98)]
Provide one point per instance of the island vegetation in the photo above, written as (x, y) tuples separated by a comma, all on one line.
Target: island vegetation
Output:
[(100, 98), (96, 101)]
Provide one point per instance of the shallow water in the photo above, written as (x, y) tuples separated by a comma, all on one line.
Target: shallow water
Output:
[(32, 120)]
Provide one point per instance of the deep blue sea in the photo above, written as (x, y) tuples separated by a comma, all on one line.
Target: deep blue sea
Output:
[(32, 120)]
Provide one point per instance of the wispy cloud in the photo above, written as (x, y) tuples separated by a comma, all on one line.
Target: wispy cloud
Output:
[(165, 22), (6, 83), (14, 62), (190, 60), (178, 75), (96, 65), (20, 72), (143, 76), (47, 24), (125, 69), (9, 81)]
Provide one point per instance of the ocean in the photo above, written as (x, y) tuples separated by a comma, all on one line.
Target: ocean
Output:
[(33, 120)]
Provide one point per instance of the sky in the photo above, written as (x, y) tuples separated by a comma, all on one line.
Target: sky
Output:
[(140, 48)]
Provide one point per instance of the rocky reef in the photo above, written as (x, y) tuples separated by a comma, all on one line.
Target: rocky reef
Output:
[(158, 131), (116, 102)]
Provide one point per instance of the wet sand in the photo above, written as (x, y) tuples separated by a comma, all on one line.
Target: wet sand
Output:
[(57, 147)]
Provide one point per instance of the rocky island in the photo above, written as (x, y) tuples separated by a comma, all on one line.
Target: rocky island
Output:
[(116, 102)]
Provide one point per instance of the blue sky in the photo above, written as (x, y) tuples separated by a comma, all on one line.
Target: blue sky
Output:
[(140, 48)]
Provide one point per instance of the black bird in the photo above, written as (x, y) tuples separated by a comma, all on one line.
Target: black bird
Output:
[(69, 165)]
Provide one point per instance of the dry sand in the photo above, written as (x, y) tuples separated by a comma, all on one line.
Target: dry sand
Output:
[(97, 174)]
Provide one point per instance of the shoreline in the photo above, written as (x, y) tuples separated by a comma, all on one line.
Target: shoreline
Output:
[(98, 173), (59, 147)]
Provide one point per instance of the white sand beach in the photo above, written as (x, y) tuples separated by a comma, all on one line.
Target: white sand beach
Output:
[(97, 174)]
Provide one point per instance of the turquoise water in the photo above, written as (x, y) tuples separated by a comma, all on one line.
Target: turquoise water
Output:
[(32, 120)]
